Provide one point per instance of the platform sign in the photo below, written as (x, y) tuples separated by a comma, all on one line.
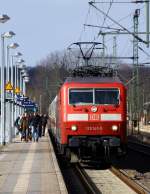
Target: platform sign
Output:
[(28, 103), (21, 98), (8, 87), (17, 90)]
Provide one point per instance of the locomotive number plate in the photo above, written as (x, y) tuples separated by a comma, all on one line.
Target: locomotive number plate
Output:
[(94, 117), (94, 128)]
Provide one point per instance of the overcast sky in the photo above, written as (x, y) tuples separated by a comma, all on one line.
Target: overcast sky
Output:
[(45, 26)]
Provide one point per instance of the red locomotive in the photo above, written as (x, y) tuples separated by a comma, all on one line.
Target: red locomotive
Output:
[(88, 116)]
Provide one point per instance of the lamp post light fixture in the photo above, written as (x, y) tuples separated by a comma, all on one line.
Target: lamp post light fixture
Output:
[(9, 34), (18, 54), (21, 61), (13, 45)]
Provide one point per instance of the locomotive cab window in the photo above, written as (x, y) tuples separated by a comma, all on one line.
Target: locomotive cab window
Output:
[(107, 96), (81, 96)]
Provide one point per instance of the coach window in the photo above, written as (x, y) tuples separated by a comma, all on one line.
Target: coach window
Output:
[(107, 96), (81, 96)]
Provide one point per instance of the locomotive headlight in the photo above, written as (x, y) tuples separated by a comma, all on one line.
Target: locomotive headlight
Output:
[(114, 127), (73, 127)]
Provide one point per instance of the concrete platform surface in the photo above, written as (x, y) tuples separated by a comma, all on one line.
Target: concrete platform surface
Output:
[(30, 168)]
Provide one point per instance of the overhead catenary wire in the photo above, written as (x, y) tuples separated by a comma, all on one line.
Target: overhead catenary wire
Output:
[(86, 18), (113, 24), (109, 27), (117, 30), (105, 17), (114, 21), (144, 51), (123, 18)]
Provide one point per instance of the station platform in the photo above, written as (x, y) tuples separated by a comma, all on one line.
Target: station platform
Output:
[(30, 168)]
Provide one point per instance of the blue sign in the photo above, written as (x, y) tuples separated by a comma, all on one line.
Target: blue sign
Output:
[(21, 98)]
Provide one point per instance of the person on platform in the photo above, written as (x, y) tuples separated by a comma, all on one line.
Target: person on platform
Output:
[(17, 124), (40, 125), (30, 125), (44, 122), (24, 124), (35, 126)]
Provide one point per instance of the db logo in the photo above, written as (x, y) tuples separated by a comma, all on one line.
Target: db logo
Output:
[(94, 117), (94, 109)]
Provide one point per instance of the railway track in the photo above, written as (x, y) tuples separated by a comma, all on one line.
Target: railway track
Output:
[(136, 186), (109, 180), (116, 179), (86, 180), (97, 179)]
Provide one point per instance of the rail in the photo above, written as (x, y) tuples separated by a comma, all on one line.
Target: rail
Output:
[(137, 187), (86, 180)]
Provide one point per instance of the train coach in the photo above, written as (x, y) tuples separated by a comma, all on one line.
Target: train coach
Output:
[(88, 117)]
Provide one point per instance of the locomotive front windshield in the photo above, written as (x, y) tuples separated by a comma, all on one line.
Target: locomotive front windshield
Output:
[(105, 96), (81, 96)]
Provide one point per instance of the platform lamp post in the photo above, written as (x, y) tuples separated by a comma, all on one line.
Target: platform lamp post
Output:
[(21, 69), (13, 81), (9, 104), (3, 19), (9, 34), (10, 46), (22, 74), (25, 79), (17, 88)]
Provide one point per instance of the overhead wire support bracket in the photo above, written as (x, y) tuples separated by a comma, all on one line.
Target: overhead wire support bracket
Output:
[(110, 28)]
